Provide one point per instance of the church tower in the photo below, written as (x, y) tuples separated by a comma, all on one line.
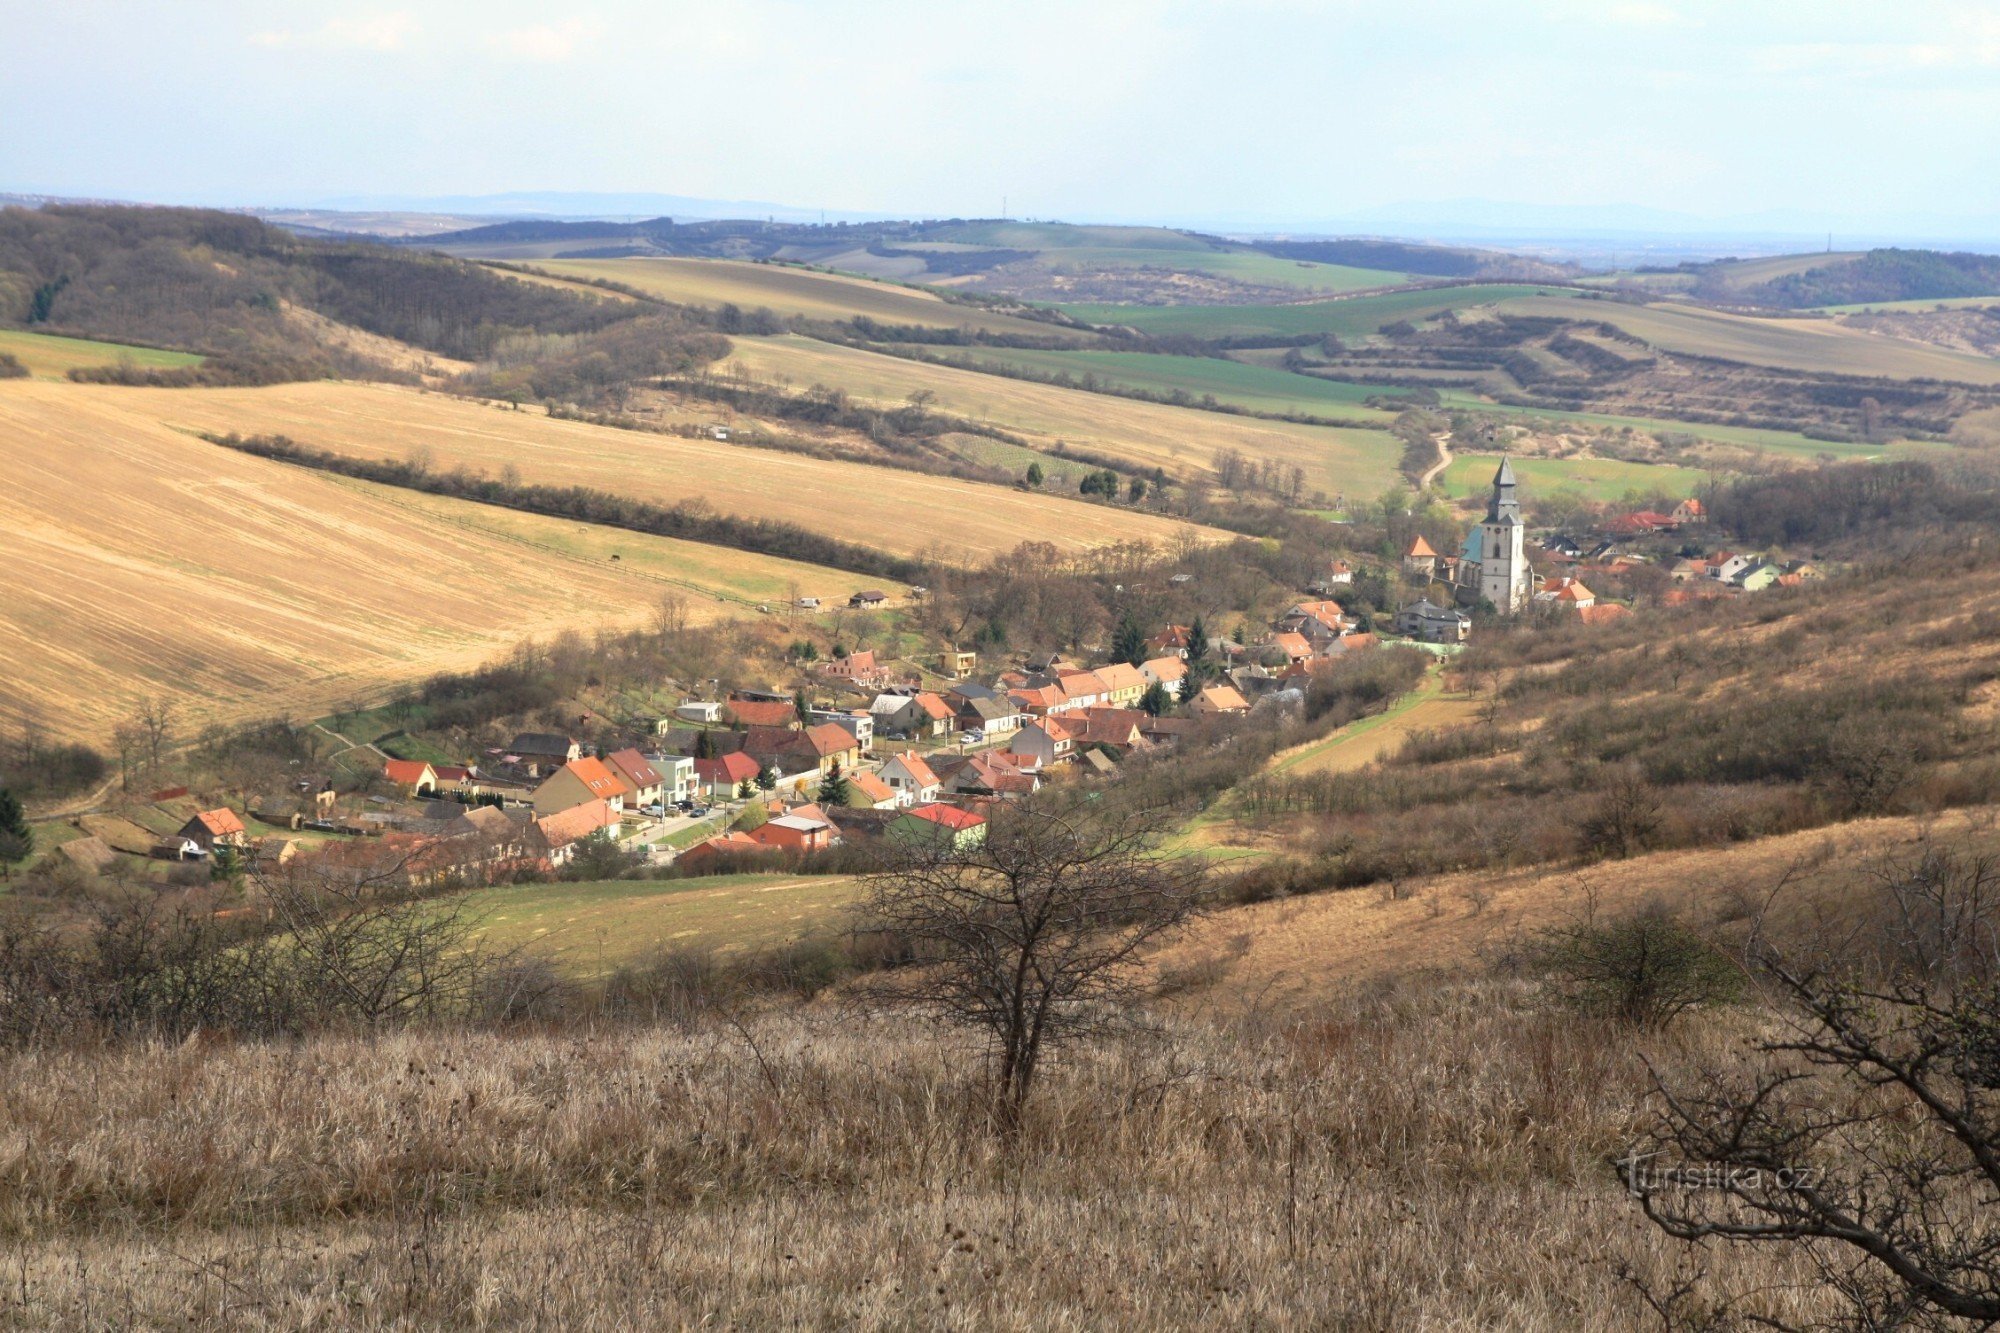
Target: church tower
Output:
[(1504, 577)]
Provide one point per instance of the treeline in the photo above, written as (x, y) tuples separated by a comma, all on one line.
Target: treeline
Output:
[(689, 520), (1880, 275), (1863, 504)]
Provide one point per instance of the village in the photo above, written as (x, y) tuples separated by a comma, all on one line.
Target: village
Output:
[(873, 750)]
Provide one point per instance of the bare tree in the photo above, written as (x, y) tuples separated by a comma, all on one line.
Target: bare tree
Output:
[(1033, 936), (670, 615), (371, 946), (1865, 1133), (155, 720)]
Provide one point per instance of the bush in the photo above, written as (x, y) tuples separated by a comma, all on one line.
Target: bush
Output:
[(1646, 970)]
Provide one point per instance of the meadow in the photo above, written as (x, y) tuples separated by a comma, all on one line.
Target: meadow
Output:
[(1238, 383), (1596, 479), (795, 292), (1347, 317), (147, 562), (591, 929), (1181, 440), (899, 511), (49, 356)]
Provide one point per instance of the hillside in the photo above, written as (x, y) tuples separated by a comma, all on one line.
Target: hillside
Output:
[(147, 562), (1183, 441), (226, 285), (903, 512)]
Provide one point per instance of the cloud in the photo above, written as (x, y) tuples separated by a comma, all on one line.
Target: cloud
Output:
[(372, 32), (547, 41)]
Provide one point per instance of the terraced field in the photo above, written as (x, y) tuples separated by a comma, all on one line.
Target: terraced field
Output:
[(904, 512), (1823, 345), (794, 292), (51, 357), (1339, 461), (142, 561)]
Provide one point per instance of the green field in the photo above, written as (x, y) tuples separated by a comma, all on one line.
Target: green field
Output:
[(1246, 266), (591, 929), (1351, 317), (49, 357), (1598, 479), (1259, 388)]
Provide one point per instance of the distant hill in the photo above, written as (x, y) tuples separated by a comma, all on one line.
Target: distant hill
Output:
[(1437, 261), (261, 302), (1871, 276)]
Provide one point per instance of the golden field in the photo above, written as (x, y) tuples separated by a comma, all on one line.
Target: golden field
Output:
[(1181, 440), (902, 512), (794, 292), (144, 561)]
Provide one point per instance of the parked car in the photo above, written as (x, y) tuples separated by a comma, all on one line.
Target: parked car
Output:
[(973, 735), (656, 811)]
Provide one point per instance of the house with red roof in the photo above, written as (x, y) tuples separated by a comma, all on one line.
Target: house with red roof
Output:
[(796, 831), (727, 845), (566, 829), (816, 749), (1219, 699), (751, 713), (579, 782), (723, 776), (867, 791), (1690, 510), (1045, 740), (1170, 672), (940, 824), (1174, 640), (214, 828), (911, 779), (414, 776), (648, 784)]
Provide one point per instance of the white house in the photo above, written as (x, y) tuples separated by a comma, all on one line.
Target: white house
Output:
[(694, 710), (911, 779)]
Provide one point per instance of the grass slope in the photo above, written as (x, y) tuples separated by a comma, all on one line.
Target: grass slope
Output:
[(904, 512), (51, 357), (143, 561), (1259, 388), (592, 929), (793, 292), (1593, 478), (1145, 435)]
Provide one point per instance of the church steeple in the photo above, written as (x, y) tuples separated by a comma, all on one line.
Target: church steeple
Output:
[(1503, 507)]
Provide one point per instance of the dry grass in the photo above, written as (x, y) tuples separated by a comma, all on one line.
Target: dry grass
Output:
[(795, 292), (1419, 1159), (1298, 950), (903, 512), (144, 561), (1181, 440)]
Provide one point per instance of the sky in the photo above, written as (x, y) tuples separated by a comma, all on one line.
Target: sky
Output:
[(1279, 113)]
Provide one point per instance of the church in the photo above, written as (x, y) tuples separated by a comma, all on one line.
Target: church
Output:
[(1492, 564)]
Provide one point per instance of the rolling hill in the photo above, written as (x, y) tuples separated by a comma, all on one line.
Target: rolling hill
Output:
[(143, 561), (1340, 461), (906, 513)]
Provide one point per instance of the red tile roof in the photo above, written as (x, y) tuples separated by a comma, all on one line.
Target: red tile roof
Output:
[(934, 708), (949, 816), (919, 771), (220, 823), (733, 768), (632, 766), (761, 712), (599, 780), (1420, 549), (576, 823), (406, 772)]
